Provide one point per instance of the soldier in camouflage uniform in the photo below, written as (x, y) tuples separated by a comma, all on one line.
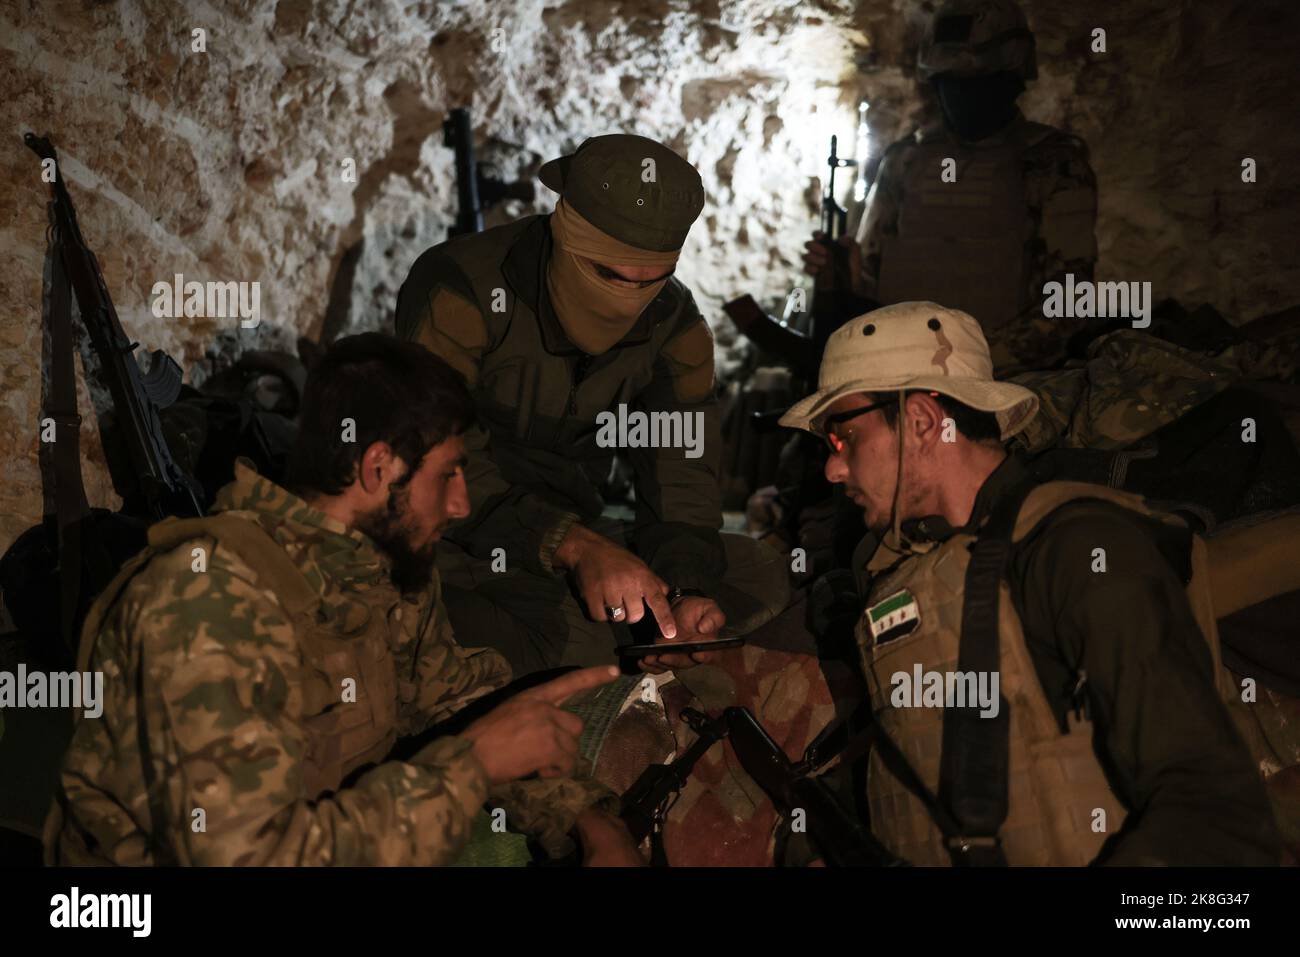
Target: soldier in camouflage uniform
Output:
[(1020, 212), (261, 663)]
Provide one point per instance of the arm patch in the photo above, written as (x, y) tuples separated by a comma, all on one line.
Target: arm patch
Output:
[(455, 331), (690, 359)]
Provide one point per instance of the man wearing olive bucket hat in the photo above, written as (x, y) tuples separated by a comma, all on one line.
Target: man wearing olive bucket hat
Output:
[(1011, 622), (562, 324)]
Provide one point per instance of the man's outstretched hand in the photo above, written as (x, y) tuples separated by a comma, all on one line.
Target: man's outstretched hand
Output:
[(609, 576), (530, 732)]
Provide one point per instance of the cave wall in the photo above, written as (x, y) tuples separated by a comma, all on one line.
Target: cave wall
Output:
[(228, 164)]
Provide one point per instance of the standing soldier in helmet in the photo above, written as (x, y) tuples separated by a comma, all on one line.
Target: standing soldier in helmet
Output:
[(557, 321), (1014, 210)]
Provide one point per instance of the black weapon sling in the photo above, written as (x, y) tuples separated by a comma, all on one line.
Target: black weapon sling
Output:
[(857, 735), (70, 506)]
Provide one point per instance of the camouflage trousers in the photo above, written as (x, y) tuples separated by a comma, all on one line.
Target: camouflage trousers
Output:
[(539, 623)]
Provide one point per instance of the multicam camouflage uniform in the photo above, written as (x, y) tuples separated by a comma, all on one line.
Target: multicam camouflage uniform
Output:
[(1130, 385), (1050, 225), (241, 695), (1019, 213)]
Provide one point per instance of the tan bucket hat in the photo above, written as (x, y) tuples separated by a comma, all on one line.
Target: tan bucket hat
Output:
[(914, 345)]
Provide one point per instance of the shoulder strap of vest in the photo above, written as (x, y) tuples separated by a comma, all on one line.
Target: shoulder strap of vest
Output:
[(254, 545), (245, 538), (974, 767), (248, 540)]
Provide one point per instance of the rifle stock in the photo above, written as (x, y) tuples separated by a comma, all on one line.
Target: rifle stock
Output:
[(842, 840)]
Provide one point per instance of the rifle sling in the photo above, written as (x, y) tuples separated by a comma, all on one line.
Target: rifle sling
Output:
[(70, 507), (872, 735), (78, 543)]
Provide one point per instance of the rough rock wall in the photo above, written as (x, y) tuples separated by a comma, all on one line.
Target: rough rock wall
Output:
[(229, 164)]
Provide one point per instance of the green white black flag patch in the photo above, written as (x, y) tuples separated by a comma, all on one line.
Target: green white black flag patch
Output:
[(896, 616)]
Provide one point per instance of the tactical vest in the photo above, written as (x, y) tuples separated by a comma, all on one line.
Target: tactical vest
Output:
[(963, 243), (341, 737), (1056, 784)]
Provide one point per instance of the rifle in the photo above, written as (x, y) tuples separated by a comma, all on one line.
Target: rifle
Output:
[(830, 307), (475, 190), (840, 837), (144, 474), (646, 802), (767, 332), (834, 216)]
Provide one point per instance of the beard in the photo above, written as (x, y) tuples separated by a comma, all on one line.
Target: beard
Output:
[(390, 529)]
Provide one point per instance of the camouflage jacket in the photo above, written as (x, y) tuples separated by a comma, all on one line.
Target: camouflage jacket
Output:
[(1060, 192), (203, 752)]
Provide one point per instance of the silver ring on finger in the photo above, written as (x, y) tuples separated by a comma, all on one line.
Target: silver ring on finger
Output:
[(615, 613)]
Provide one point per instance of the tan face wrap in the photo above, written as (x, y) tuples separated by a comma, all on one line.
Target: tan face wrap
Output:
[(596, 313)]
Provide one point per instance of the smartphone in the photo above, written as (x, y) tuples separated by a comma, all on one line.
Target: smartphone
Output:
[(678, 647)]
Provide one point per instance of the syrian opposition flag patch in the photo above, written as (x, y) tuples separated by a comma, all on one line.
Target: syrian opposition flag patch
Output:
[(896, 616)]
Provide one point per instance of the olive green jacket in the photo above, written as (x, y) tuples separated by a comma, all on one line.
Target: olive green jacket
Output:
[(480, 302)]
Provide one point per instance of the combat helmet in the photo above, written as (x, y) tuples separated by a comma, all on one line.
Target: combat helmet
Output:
[(976, 38)]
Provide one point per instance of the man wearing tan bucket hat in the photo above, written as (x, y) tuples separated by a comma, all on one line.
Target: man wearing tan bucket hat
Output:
[(1010, 621), (559, 322)]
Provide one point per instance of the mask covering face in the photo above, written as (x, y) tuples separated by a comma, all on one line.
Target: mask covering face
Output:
[(975, 107), (595, 312)]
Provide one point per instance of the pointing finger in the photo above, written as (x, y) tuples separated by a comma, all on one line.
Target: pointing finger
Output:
[(566, 686), (663, 613)]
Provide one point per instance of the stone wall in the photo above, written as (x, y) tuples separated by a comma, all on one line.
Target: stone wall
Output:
[(228, 164)]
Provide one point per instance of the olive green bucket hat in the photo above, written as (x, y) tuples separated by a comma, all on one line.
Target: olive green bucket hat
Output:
[(636, 190)]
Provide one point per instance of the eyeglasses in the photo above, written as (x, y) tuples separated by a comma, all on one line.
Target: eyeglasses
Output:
[(836, 442)]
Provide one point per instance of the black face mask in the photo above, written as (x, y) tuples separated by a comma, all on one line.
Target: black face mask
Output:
[(975, 107)]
